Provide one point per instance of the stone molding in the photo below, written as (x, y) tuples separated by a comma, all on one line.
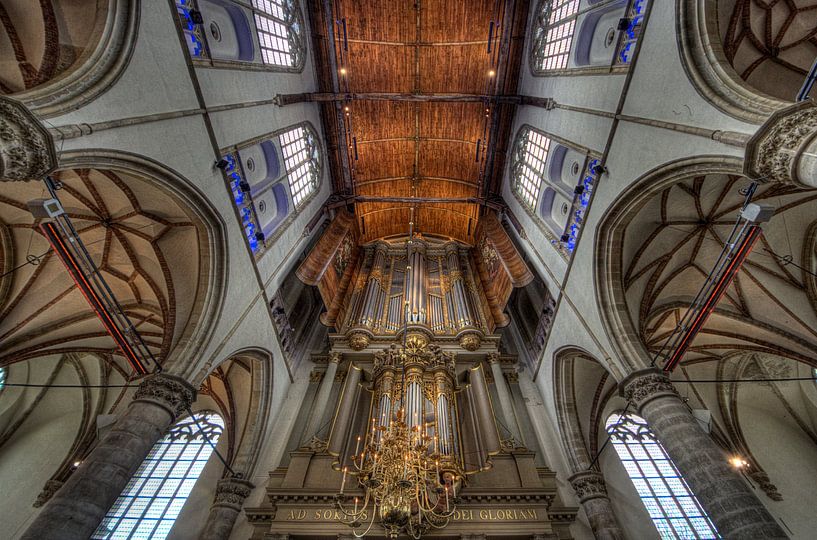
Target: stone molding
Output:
[(707, 67), (772, 153), (99, 69), (493, 358), (27, 149), (588, 485), (231, 493), (48, 491), (335, 357), (641, 387), (169, 392)]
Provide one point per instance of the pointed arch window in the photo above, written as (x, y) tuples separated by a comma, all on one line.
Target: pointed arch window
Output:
[(279, 28), (554, 26), (156, 493), (529, 160), (302, 160), (672, 506)]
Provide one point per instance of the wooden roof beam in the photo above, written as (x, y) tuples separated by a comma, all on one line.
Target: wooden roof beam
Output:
[(288, 99)]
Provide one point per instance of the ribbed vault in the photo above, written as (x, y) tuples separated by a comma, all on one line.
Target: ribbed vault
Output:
[(148, 246), (770, 43), (671, 245)]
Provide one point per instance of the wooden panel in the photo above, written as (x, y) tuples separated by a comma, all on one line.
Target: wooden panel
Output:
[(463, 121), (449, 159), (380, 68), (463, 20), (376, 20), (436, 139), (384, 160), (373, 120), (462, 69)]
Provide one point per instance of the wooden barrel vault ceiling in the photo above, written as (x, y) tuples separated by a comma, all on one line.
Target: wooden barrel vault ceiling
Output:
[(418, 118)]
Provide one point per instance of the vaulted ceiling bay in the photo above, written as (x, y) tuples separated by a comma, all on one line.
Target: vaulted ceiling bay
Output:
[(416, 115)]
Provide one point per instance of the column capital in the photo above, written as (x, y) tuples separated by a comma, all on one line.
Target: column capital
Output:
[(335, 357), (493, 358), (644, 385), (776, 151), (231, 492), (172, 393), (27, 149), (589, 485)]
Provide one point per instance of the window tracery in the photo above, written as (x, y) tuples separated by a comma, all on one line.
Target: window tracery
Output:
[(302, 161), (554, 26), (266, 193), (156, 493), (266, 31), (567, 37), (554, 183), (673, 508), (529, 159)]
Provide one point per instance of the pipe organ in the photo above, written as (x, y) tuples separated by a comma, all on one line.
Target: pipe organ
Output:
[(424, 431), (419, 285)]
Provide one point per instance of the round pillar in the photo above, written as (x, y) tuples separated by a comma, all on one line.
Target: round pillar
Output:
[(592, 494), (230, 496), (728, 500), (78, 507)]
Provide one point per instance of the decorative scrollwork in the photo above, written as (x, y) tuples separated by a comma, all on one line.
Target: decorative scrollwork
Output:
[(26, 147)]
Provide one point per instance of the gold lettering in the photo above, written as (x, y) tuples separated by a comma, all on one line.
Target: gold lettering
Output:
[(500, 514), (317, 515), (484, 515)]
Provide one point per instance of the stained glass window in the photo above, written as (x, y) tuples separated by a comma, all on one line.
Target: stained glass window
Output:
[(156, 493), (302, 160), (2, 377), (530, 157), (672, 506), (279, 27), (553, 34)]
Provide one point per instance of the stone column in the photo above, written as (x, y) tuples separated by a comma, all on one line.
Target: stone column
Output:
[(505, 402), (592, 494), (77, 509), (314, 423), (230, 495), (784, 149), (734, 509)]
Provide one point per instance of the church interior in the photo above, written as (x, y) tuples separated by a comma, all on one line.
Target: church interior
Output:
[(405, 269)]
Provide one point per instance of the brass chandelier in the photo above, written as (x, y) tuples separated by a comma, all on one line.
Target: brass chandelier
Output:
[(409, 467)]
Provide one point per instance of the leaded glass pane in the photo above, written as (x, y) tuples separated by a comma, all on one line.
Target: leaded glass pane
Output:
[(278, 26), (673, 508), (530, 157), (553, 33), (302, 161), (153, 498)]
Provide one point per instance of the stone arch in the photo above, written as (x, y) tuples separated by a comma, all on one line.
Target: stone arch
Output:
[(647, 284), (618, 325), (256, 381), (85, 47), (710, 58), (576, 444), (112, 188)]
